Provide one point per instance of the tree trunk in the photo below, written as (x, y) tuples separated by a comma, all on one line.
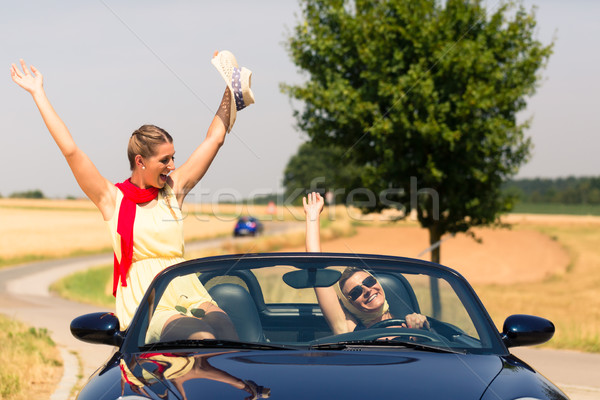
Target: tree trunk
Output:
[(436, 305)]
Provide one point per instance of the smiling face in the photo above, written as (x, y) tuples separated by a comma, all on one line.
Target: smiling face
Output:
[(154, 170), (151, 153), (371, 298)]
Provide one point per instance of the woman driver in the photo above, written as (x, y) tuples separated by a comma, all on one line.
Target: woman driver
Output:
[(362, 296)]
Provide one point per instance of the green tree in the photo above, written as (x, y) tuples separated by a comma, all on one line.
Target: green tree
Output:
[(569, 190), (29, 194), (423, 95)]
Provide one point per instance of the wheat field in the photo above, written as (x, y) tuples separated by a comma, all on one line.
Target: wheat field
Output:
[(43, 228)]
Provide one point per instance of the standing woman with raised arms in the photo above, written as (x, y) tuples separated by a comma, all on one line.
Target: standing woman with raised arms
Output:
[(143, 213)]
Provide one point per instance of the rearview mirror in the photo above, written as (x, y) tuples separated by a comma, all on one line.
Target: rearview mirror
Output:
[(308, 278), (526, 330)]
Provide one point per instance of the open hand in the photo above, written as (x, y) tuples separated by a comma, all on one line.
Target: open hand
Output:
[(313, 205), (30, 81)]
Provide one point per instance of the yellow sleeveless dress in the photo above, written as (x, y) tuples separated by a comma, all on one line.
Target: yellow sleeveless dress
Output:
[(157, 244)]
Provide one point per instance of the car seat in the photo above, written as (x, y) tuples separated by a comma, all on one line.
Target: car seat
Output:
[(399, 294), (239, 305)]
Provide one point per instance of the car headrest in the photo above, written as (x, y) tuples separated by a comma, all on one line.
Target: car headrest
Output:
[(399, 294), (239, 305)]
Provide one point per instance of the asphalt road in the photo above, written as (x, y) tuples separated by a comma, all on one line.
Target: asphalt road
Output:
[(24, 295)]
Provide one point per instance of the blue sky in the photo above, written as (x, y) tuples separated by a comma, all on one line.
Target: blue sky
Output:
[(110, 66)]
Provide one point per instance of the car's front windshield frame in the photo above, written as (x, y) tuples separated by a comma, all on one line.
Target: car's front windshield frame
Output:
[(488, 334)]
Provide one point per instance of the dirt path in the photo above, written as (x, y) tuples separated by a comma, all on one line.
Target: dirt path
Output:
[(503, 256)]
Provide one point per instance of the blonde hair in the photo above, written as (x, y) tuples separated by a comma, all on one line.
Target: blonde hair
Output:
[(144, 141)]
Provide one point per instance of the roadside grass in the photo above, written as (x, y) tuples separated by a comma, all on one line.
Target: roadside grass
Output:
[(91, 286), (570, 300), (553, 208), (30, 363), (24, 259)]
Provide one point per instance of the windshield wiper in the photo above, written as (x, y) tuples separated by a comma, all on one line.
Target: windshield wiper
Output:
[(383, 343), (212, 343)]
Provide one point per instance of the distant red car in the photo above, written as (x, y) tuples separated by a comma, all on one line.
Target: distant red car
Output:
[(248, 226)]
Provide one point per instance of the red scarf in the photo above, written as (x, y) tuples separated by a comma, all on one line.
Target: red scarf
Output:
[(132, 195)]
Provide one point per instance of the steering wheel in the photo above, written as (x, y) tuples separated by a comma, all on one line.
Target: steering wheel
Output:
[(388, 322), (417, 335)]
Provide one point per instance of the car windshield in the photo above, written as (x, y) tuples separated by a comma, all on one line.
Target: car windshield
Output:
[(271, 299)]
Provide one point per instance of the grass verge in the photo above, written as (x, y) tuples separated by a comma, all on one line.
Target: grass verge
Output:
[(553, 208), (570, 300), (89, 286), (30, 363)]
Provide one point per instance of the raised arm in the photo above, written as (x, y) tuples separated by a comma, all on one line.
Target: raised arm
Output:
[(326, 296), (189, 173), (313, 206), (100, 191)]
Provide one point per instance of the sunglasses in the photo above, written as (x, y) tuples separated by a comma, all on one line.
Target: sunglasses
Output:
[(357, 290), (196, 312)]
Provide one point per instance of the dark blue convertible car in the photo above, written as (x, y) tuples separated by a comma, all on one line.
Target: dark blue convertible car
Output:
[(287, 349)]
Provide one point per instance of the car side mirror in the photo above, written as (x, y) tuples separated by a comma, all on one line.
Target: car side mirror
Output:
[(98, 328), (526, 330)]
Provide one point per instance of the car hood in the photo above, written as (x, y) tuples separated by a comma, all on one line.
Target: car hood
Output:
[(349, 374)]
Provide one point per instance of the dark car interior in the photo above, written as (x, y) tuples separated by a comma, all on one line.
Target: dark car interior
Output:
[(255, 320)]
